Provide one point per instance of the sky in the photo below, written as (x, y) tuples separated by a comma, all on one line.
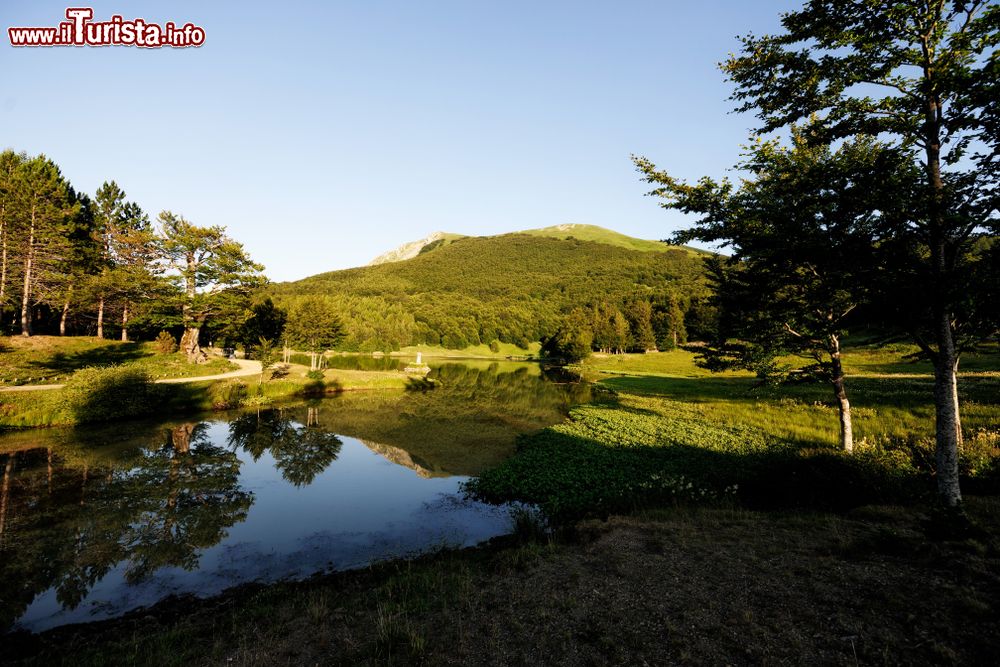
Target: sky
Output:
[(321, 134)]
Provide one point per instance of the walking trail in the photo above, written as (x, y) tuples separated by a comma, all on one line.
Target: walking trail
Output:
[(246, 367)]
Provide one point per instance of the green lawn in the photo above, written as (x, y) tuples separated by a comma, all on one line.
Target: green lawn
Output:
[(51, 359), (667, 431)]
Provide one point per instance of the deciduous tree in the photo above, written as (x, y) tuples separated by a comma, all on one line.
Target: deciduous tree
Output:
[(920, 74), (803, 229)]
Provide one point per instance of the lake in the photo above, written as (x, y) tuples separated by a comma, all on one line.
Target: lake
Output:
[(95, 522)]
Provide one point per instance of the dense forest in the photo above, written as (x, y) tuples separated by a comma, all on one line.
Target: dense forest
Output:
[(515, 288)]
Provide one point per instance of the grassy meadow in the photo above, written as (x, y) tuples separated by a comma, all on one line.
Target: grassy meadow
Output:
[(664, 431), (73, 360), (52, 359)]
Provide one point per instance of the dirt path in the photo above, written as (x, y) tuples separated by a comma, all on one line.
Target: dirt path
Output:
[(246, 367)]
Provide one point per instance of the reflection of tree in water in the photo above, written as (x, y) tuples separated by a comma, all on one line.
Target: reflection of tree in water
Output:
[(300, 452), (188, 495), (73, 516)]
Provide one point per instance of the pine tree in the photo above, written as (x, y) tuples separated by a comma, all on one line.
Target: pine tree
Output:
[(214, 273)]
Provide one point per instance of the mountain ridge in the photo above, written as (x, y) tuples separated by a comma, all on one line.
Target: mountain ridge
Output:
[(565, 231)]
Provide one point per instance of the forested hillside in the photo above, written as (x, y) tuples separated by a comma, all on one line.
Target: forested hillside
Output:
[(513, 288)]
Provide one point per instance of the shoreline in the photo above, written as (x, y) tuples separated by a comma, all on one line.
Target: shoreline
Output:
[(711, 584)]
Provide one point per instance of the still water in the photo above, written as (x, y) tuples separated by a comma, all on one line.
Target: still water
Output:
[(97, 522)]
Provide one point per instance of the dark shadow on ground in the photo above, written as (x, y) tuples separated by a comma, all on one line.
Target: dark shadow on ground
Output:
[(110, 355)]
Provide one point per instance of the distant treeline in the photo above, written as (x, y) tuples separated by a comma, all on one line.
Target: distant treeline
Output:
[(514, 289)]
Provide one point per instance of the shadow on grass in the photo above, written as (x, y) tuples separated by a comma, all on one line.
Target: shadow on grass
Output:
[(109, 355), (612, 458), (571, 477), (863, 391)]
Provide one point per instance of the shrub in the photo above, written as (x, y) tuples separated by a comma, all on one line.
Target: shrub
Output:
[(228, 395), (494, 346), (528, 524), (165, 343), (115, 392), (315, 375)]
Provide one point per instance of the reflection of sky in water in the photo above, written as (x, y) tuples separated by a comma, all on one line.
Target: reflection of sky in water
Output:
[(361, 508)]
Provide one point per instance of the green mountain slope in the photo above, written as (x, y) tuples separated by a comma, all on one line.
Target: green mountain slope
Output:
[(513, 288), (598, 235)]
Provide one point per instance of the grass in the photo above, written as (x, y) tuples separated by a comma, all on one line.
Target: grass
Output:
[(51, 359), (859, 360), (701, 585), (602, 235), (669, 432), (50, 407)]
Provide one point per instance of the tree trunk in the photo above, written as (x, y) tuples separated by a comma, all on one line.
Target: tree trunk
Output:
[(946, 416), (100, 317), (840, 391), (28, 265), (65, 312), (958, 416), (125, 324), (190, 347), (946, 360), (3, 262)]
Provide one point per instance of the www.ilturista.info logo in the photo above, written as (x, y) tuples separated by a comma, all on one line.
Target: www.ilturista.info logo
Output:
[(80, 30)]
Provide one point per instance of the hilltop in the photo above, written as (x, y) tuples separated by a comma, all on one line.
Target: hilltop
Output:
[(514, 288), (569, 231)]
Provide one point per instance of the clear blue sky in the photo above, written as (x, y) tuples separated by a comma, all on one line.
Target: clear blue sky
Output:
[(323, 133)]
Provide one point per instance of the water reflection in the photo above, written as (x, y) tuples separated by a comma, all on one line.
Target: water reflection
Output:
[(97, 521), (300, 451), (70, 519)]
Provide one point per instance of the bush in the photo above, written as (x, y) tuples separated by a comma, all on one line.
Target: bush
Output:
[(165, 343), (115, 392), (494, 346), (228, 395), (315, 375)]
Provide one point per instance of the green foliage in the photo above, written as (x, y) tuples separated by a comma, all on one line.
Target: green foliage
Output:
[(513, 288), (227, 395), (618, 457), (265, 321), (267, 355), (213, 275), (115, 392), (314, 325), (528, 525), (573, 341), (165, 343)]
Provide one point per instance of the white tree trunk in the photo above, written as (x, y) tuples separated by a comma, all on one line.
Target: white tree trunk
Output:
[(840, 391), (946, 411), (28, 265), (100, 318)]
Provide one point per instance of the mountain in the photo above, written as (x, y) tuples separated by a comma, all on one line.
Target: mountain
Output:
[(598, 235), (567, 231), (414, 248), (514, 288)]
